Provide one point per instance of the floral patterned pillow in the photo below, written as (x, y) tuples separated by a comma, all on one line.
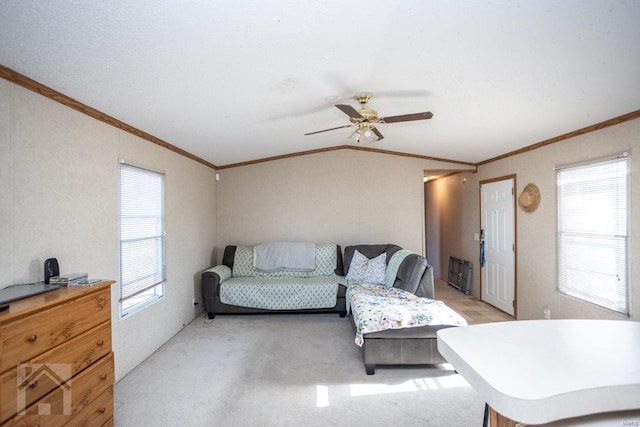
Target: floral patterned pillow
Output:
[(363, 269)]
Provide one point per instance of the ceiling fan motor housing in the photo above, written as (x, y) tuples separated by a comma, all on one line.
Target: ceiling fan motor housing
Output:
[(369, 115)]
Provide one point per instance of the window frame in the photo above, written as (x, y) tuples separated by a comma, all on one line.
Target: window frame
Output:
[(134, 298), (602, 242)]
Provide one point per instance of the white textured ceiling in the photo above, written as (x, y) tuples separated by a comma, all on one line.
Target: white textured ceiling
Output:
[(238, 80)]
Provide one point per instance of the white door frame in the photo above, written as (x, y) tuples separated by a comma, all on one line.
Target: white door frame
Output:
[(515, 236)]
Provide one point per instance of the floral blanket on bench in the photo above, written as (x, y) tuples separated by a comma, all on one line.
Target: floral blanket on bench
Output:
[(378, 308)]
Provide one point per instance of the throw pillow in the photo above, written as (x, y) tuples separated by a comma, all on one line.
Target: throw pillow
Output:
[(363, 269), (358, 267), (375, 272)]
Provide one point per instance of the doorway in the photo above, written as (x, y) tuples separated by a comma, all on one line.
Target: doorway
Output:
[(448, 203), (498, 239)]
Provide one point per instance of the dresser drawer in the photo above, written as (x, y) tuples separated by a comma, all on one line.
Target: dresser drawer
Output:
[(83, 390), (96, 413), (91, 383), (27, 337), (73, 356)]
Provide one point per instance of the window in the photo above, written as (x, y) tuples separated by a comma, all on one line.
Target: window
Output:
[(142, 268), (593, 206)]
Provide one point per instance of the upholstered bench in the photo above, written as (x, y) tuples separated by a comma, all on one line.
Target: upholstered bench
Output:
[(396, 321), (407, 346)]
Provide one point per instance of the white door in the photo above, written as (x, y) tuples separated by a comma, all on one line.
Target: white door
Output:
[(497, 218)]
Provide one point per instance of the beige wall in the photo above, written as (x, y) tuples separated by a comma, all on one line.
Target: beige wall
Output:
[(432, 225), (59, 172), (536, 232), (345, 197)]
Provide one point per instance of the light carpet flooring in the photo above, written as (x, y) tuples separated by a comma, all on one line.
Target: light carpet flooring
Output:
[(287, 370)]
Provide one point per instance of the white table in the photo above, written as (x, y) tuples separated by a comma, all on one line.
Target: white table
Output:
[(539, 371)]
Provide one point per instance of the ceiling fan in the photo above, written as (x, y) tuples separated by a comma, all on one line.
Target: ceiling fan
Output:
[(365, 120)]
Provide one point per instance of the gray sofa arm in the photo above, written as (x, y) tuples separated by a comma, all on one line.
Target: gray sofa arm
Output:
[(415, 275), (426, 288), (211, 280), (410, 273)]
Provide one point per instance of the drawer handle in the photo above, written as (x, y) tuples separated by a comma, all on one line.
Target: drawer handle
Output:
[(32, 338), (100, 343), (103, 377), (102, 410), (101, 302), (33, 384)]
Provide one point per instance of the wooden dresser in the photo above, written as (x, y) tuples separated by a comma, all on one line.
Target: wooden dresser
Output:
[(56, 363)]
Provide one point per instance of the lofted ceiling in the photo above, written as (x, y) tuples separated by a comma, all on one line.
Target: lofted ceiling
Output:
[(239, 80)]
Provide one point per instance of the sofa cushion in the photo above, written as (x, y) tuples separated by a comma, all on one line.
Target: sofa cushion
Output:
[(281, 293), (243, 262), (282, 273), (326, 260)]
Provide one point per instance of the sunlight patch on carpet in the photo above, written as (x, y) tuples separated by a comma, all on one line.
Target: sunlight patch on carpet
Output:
[(452, 381), (322, 396)]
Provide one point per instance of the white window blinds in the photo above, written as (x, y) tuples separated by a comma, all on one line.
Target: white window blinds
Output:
[(593, 202), (142, 269)]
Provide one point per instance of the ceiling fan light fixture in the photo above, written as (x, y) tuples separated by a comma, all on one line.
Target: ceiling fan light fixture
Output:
[(363, 133), (355, 135), (368, 138), (366, 133)]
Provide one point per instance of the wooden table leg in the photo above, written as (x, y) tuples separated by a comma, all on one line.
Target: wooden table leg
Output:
[(497, 420)]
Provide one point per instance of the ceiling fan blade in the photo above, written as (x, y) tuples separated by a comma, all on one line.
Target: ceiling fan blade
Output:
[(326, 130), (378, 134), (349, 111), (408, 117)]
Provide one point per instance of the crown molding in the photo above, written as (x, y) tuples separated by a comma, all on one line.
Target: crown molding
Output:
[(32, 85), (341, 147), (592, 128)]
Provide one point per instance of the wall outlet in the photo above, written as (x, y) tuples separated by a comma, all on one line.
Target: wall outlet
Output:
[(547, 313)]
